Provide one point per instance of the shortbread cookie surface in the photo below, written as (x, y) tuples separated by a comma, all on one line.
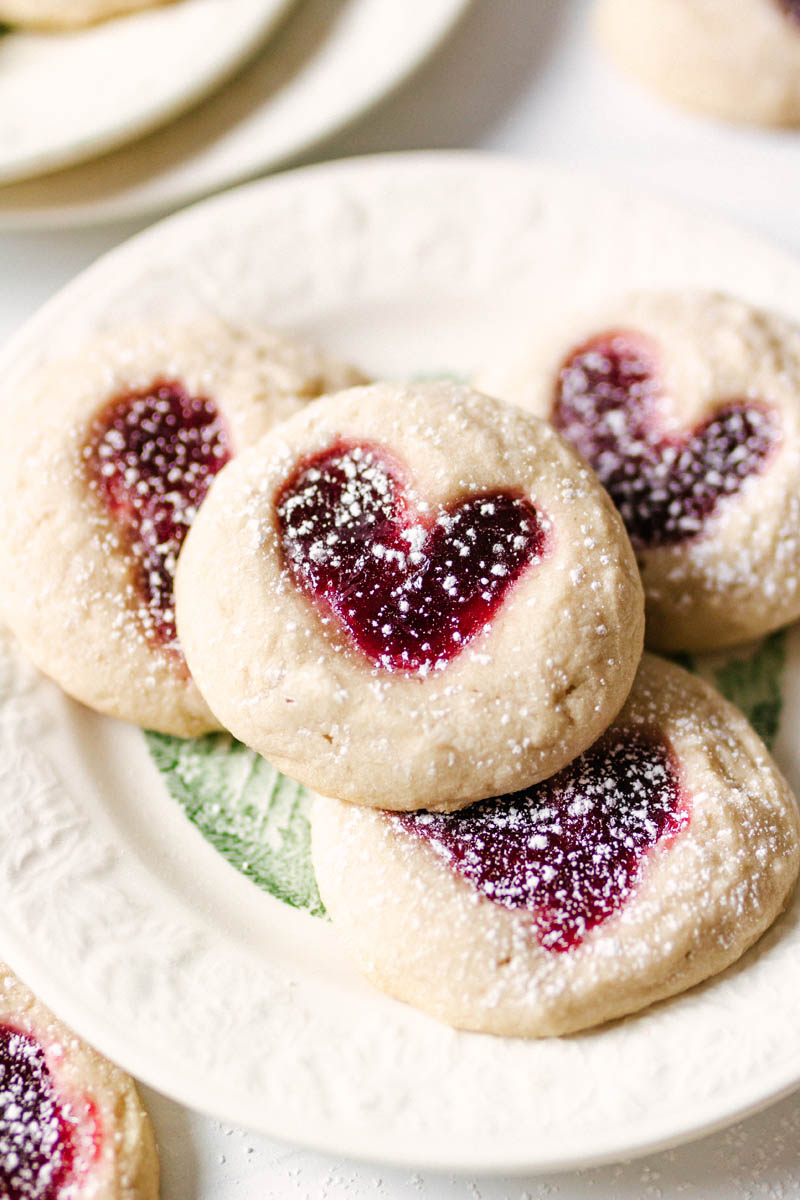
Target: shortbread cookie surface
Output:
[(107, 457), (688, 407), (411, 594), (68, 14), (740, 62), (652, 862), (72, 1126)]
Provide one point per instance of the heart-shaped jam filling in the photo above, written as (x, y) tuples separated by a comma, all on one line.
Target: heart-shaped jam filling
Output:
[(37, 1141), (664, 485), (411, 588), (569, 850), (151, 456)]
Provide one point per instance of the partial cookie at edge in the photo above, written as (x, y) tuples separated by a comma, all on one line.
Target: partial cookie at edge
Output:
[(740, 577), (69, 583), (115, 1148)]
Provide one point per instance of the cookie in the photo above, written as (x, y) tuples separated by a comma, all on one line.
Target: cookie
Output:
[(107, 457), (649, 864), (72, 1126), (740, 63), (688, 407), (67, 14), (411, 595)]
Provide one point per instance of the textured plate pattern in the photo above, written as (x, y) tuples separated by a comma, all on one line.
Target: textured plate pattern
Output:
[(124, 918)]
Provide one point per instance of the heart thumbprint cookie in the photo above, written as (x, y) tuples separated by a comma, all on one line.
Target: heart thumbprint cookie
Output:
[(651, 862), (107, 459), (688, 408), (739, 61), (411, 595), (72, 1126)]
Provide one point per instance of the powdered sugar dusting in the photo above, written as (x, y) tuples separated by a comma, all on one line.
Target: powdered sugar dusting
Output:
[(647, 866), (411, 587), (665, 486), (568, 850), (36, 1140), (395, 535)]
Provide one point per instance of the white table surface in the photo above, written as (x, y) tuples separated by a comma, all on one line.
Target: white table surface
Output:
[(518, 77)]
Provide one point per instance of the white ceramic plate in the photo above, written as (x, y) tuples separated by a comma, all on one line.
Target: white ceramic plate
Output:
[(331, 61), (68, 96), (154, 947)]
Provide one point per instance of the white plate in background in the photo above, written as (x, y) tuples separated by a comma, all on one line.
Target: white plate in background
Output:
[(152, 946), (68, 96), (331, 61)]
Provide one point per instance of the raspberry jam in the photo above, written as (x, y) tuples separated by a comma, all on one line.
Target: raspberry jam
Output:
[(664, 485), (151, 457), (569, 850), (37, 1148), (411, 590)]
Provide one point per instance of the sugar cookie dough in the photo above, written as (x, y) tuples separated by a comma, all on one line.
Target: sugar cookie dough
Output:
[(737, 61), (106, 458), (651, 863), (411, 595), (688, 406), (72, 1126)]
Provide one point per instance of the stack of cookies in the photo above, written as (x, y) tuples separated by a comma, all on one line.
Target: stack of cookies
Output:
[(429, 606)]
